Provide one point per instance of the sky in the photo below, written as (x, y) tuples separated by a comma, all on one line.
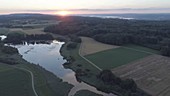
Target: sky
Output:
[(84, 6)]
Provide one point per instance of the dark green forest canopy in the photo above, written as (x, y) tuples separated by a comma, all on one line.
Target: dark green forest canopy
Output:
[(17, 38), (151, 34)]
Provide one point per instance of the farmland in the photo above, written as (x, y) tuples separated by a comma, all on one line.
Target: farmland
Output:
[(149, 69), (107, 56), (27, 26), (90, 46), (115, 57), (28, 31), (90, 69), (151, 74)]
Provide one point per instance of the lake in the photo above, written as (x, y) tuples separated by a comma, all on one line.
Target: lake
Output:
[(48, 56), (2, 37)]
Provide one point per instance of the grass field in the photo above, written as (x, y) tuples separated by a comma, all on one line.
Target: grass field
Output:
[(4, 31), (113, 58), (142, 48), (37, 28), (46, 83), (90, 46), (28, 31), (14, 82)]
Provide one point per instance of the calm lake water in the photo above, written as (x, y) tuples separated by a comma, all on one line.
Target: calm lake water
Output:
[(2, 37), (48, 56)]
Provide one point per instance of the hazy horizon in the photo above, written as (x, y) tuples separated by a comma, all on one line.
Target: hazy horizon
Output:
[(84, 7)]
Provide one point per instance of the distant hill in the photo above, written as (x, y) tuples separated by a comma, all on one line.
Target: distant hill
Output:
[(6, 18), (23, 16), (161, 16)]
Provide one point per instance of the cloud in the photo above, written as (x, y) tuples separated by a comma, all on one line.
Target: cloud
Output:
[(100, 11)]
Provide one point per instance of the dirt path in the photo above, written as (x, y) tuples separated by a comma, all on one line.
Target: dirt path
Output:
[(32, 79), (87, 59)]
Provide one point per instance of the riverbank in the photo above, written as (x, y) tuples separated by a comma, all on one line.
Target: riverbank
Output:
[(45, 82), (79, 65)]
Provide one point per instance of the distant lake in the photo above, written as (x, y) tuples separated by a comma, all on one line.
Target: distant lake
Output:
[(48, 56), (131, 16)]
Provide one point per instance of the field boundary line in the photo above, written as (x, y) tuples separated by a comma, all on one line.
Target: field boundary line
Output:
[(139, 50), (87, 59), (166, 89), (32, 79)]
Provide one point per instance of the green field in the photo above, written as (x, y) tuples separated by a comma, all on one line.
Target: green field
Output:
[(46, 83), (4, 31), (110, 59), (106, 60), (14, 82), (143, 48)]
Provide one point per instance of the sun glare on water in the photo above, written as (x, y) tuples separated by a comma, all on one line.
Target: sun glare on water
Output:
[(63, 13)]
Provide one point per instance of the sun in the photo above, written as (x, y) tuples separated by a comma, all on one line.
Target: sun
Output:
[(63, 13)]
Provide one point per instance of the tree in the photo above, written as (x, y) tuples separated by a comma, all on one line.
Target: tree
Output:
[(108, 77), (129, 84), (9, 50), (71, 46), (165, 50), (15, 38)]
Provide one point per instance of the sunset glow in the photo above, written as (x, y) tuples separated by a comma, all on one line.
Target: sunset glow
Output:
[(84, 6), (63, 13)]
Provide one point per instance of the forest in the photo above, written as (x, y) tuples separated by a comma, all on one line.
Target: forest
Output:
[(151, 34), (17, 38)]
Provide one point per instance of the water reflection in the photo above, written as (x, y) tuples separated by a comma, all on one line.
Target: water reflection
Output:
[(48, 56), (2, 37)]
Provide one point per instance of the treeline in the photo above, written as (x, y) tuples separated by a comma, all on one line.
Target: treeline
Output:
[(126, 87), (18, 38), (74, 42), (6, 19), (6, 52), (151, 34), (14, 26)]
